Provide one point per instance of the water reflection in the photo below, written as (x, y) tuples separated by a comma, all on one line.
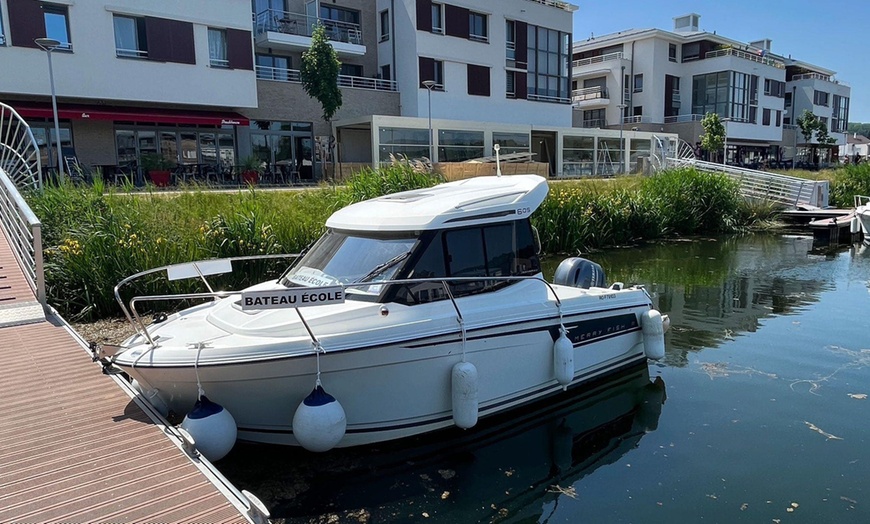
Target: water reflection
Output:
[(717, 289), (511, 467)]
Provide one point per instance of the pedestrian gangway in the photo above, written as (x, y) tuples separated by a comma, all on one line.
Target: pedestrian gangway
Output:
[(756, 185)]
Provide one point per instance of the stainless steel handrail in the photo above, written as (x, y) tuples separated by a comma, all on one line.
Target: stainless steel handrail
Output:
[(24, 233), (137, 323)]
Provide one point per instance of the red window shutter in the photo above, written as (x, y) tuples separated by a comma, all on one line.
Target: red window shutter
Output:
[(456, 21), (522, 51), (240, 49), (521, 87), (170, 40), (478, 80), (424, 15)]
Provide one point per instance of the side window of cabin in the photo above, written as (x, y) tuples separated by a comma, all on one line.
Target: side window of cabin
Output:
[(494, 251)]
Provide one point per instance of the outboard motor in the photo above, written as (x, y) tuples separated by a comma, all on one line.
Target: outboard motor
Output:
[(579, 272)]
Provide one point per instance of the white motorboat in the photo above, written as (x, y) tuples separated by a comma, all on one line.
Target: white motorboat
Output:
[(415, 311), (862, 212)]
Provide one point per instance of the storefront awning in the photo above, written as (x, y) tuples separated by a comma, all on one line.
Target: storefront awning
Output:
[(132, 114)]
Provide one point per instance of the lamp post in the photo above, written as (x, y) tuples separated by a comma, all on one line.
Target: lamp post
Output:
[(621, 107), (429, 84), (48, 45)]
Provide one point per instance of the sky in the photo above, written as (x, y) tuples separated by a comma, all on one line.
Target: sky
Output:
[(833, 35)]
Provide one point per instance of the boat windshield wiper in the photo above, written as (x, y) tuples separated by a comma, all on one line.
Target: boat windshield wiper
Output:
[(383, 267)]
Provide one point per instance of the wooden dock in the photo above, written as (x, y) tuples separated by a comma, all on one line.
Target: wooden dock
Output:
[(75, 446)]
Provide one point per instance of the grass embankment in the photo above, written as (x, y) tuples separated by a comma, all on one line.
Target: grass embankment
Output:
[(95, 237), (845, 182)]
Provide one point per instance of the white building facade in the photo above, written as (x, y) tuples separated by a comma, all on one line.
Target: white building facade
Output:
[(657, 80)]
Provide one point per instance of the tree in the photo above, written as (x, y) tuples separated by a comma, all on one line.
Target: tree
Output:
[(714, 133), (319, 73)]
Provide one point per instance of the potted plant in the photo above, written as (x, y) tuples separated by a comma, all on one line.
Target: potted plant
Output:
[(251, 169), (157, 168)]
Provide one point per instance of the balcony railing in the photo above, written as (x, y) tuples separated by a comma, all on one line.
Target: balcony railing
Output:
[(589, 93), (598, 59), (745, 55), (595, 122), (565, 6), (280, 74), (551, 99), (637, 119), (683, 118), (817, 76), (303, 25)]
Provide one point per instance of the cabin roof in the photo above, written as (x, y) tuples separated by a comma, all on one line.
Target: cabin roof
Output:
[(472, 201)]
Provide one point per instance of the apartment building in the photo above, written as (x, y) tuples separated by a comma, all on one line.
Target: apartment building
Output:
[(657, 80), (130, 77), (206, 83)]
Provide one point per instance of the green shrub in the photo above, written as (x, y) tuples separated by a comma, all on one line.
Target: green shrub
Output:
[(849, 181)]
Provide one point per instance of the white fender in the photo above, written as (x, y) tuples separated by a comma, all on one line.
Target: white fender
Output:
[(212, 427), (319, 423), (563, 359), (653, 334), (464, 389), (855, 225)]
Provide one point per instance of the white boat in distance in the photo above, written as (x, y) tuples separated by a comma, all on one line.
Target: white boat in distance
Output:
[(425, 309), (862, 211)]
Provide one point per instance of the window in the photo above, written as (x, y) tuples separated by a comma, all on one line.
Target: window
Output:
[(339, 14), (840, 115), (2, 34), (765, 117), (512, 142), (726, 93), (820, 98), (498, 250), (638, 83), (477, 27), (385, 25), (385, 72), (787, 98), (351, 70), (130, 40), (510, 90), (778, 118), (412, 143), (217, 48), (57, 24), (437, 18), (458, 146), (272, 67), (510, 41), (672, 52), (691, 51), (431, 69), (774, 88), (595, 118), (548, 53)]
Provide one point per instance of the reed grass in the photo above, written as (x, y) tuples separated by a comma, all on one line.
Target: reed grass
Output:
[(96, 236)]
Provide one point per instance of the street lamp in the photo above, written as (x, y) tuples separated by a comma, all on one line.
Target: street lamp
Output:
[(621, 107), (48, 45), (429, 84)]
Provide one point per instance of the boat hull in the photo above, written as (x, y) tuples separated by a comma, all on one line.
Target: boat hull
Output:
[(404, 388)]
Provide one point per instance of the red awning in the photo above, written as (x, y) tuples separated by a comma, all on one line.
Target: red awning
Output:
[(131, 114)]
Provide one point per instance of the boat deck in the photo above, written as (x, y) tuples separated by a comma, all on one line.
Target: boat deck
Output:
[(75, 447)]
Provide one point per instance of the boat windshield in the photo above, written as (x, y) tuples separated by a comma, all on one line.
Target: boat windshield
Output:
[(345, 258)]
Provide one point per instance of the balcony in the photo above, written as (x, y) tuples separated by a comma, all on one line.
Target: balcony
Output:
[(356, 82), (745, 55), (292, 32), (594, 123), (590, 97), (683, 118), (558, 4), (598, 59), (817, 76)]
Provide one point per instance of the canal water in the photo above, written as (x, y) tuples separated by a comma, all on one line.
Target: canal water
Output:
[(758, 413)]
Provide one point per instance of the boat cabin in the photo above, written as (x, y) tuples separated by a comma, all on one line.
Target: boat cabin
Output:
[(473, 228)]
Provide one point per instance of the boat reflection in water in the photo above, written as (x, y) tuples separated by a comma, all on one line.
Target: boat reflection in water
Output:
[(507, 470)]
